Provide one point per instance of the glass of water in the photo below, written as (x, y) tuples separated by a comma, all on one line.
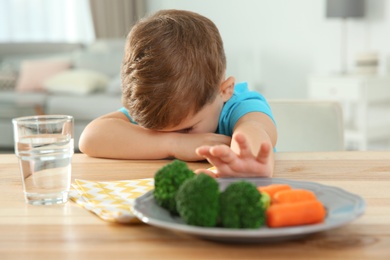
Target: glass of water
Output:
[(44, 146)]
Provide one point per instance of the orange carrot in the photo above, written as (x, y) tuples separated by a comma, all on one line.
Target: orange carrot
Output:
[(273, 188), (293, 214), (290, 196)]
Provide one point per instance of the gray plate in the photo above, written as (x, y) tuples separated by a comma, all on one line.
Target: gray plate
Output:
[(342, 207)]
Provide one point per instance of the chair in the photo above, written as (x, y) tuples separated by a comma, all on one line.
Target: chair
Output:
[(306, 125)]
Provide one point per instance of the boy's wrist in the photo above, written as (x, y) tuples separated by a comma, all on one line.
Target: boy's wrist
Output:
[(171, 144), (179, 146)]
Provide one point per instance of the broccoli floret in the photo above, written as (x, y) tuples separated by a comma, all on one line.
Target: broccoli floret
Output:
[(197, 201), (167, 181), (241, 206)]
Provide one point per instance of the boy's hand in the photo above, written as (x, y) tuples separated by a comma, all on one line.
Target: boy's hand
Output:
[(244, 164), (183, 146)]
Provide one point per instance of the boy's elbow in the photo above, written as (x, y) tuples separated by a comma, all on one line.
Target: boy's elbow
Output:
[(83, 144), (87, 143)]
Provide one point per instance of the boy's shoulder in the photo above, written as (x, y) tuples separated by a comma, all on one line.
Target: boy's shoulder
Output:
[(242, 92)]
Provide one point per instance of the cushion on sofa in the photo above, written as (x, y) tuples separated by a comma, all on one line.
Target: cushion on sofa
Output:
[(115, 86), (8, 78), (104, 56), (108, 63), (34, 72), (78, 82)]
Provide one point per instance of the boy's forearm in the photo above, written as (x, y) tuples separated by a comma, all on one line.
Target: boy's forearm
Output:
[(120, 140)]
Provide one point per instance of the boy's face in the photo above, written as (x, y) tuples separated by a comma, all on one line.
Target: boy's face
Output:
[(205, 121)]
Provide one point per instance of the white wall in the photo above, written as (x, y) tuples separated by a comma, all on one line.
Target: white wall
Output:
[(276, 44)]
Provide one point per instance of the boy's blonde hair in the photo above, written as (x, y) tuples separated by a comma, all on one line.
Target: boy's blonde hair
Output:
[(173, 65)]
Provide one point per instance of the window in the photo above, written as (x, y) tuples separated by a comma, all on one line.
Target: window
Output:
[(46, 20)]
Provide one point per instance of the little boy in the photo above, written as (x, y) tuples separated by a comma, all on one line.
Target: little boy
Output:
[(179, 103)]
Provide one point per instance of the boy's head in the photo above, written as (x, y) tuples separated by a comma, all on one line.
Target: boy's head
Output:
[(173, 65)]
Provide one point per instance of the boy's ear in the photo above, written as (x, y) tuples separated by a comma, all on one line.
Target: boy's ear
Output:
[(227, 88)]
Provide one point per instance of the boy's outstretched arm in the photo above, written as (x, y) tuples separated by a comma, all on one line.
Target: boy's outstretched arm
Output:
[(251, 151), (113, 136)]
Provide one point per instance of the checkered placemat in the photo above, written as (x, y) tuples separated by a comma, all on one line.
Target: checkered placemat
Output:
[(111, 201)]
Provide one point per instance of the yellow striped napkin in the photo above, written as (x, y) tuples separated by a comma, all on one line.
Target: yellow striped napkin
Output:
[(111, 201)]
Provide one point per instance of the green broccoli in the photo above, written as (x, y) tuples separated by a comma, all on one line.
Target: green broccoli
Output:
[(241, 206), (197, 201), (167, 181)]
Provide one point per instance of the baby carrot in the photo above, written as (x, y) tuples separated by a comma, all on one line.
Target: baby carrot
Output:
[(293, 214), (296, 195), (273, 188)]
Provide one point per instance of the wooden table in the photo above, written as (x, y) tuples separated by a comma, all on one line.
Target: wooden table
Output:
[(71, 232)]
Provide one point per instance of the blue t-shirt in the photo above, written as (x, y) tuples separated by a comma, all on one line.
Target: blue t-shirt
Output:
[(243, 101)]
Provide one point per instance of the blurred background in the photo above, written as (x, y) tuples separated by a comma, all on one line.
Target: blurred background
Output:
[(285, 49)]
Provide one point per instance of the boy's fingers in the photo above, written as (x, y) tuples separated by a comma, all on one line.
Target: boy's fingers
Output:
[(245, 151), (264, 152), (223, 153), (205, 152), (202, 150)]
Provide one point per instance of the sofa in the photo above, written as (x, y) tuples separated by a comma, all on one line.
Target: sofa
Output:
[(82, 80)]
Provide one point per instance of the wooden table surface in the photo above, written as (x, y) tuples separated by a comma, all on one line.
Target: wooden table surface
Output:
[(71, 232)]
